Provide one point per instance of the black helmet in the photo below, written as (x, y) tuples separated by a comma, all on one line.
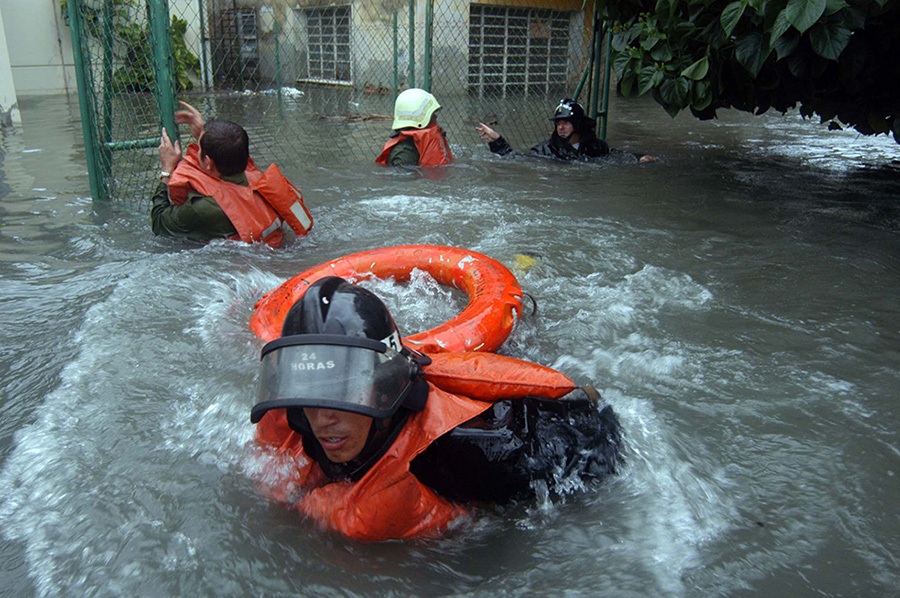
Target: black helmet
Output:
[(339, 349), (568, 109), (331, 305)]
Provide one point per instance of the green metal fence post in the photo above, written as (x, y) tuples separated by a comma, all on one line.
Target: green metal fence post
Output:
[(412, 44), (163, 68), (396, 89), (429, 26), (204, 60), (607, 72), (108, 57), (99, 190), (594, 95), (277, 54)]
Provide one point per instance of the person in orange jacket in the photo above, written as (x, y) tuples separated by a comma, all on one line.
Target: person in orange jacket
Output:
[(417, 139), (216, 191), (378, 442)]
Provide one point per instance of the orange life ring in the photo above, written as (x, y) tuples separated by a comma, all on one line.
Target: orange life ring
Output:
[(495, 297)]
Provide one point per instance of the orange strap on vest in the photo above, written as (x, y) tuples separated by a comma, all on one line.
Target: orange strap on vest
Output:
[(430, 143), (255, 210), (285, 197)]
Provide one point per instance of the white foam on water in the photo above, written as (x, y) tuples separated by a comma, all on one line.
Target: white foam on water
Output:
[(158, 393)]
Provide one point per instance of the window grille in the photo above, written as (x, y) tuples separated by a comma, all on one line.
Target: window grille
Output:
[(235, 45), (517, 52), (328, 50)]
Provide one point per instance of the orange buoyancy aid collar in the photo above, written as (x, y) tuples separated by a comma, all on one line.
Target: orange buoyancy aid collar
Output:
[(389, 502), (252, 217), (430, 142)]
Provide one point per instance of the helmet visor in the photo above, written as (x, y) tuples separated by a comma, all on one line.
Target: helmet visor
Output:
[(332, 372)]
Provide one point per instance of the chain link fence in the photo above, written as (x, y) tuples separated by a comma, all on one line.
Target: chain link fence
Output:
[(295, 73)]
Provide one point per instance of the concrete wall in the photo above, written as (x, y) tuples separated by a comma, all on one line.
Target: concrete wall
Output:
[(9, 104), (39, 45)]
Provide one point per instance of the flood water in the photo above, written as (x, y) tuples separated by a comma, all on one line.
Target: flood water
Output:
[(735, 301)]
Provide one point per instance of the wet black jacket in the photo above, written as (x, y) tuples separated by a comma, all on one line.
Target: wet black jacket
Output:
[(591, 146), (518, 445)]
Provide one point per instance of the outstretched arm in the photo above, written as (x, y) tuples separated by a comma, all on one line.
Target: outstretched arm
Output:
[(487, 134), (496, 143)]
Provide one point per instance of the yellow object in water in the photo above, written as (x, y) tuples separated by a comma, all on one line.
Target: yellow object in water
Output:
[(524, 262)]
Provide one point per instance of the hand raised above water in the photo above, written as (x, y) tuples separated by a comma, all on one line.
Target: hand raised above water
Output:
[(190, 116), (169, 153), (487, 134)]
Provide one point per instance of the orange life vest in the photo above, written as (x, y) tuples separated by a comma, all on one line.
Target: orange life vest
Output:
[(430, 142), (255, 211), (389, 502)]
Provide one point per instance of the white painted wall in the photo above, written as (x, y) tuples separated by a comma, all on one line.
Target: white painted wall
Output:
[(9, 104), (39, 45)]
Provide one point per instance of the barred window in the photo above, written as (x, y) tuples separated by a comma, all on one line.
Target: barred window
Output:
[(328, 50), (518, 52), (234, 44)]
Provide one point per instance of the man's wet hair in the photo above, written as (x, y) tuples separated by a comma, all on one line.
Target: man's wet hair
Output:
[(227, 144)]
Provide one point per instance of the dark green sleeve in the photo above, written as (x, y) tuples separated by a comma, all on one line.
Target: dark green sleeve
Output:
[(198, 219), (404, 154)]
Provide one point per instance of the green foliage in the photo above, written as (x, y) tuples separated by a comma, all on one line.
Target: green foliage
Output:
[(137, 72), (117, 24), (94, 15), (837, 59), (186, 62)]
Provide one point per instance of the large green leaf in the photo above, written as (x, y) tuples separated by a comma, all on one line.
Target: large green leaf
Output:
[(731, 14), (698, 70), (751, 51), (833, 6), (853, 17), (779, 28), (650, 41), (829, 39), (648, 78), (804, 13), (701, 95), (621, 63), (620, 41), (786, 44), (674, 93), (661, 53)]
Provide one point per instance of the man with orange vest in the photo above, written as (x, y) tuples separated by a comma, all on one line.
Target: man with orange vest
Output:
[(215, 190), (417, 139), (376, 441)]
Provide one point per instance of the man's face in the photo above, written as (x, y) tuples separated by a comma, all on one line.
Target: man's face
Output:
[(564, 128), (342, 434)]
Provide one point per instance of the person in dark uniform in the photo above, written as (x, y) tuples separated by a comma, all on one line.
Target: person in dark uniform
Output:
[(573, 137)]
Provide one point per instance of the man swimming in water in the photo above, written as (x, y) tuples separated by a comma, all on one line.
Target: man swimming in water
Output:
[(380, 443)]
